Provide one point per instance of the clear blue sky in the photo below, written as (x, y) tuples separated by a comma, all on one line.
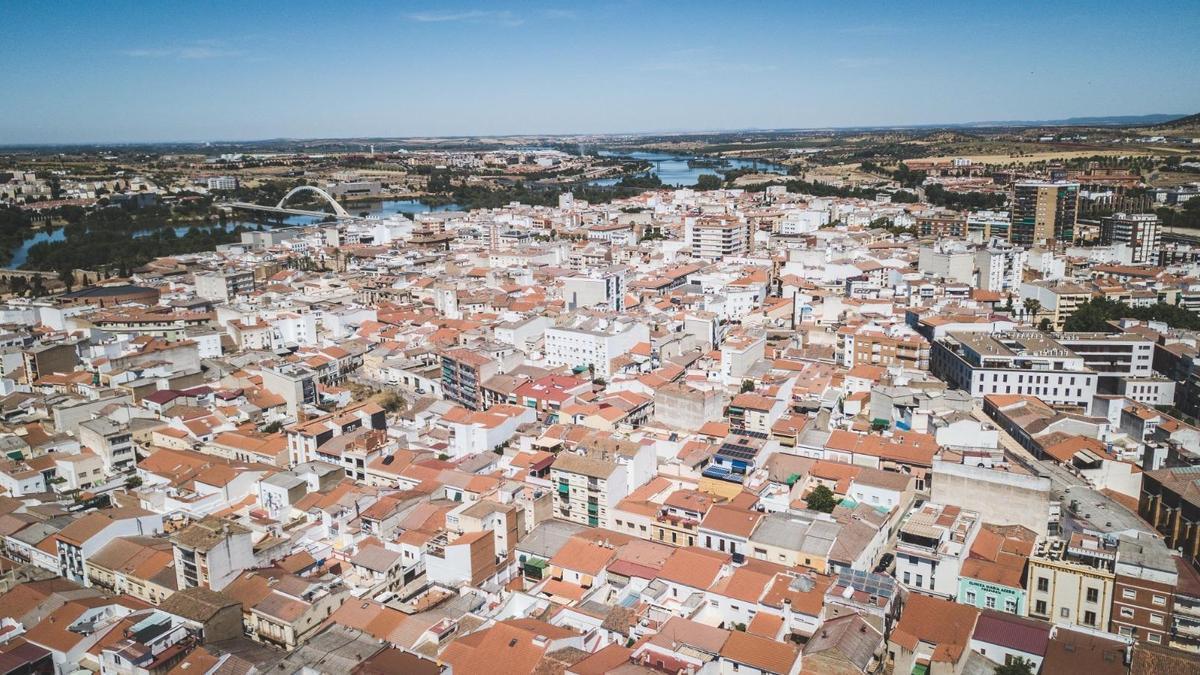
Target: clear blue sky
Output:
[(146, 71)]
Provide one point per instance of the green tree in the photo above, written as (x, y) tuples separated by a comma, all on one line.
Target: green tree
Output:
[(708, 181), (1018, 666), (1094, 315), (821, 499), (747, 385), (1032, 307)]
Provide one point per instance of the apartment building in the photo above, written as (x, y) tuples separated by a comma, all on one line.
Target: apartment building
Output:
[(1056, 302), (931, 546), (941, 225), (111, 441), (874, 346), (1141, 232), (463, 374), (1144, 590), (1071, 582), (1043, 212), (211, 553), (604, 288), (221, 183), (587, 488), (296, 384), (1018, 362), (1170, 502), (81, 539), (49, 358), (739, 353), (988, 225), (949, 260), (999, 266), (593, 345), (305, 438), (717, 237), (224, 285)]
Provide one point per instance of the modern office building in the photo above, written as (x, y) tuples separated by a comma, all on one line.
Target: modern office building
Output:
[(1141, 232), (1043, 211)]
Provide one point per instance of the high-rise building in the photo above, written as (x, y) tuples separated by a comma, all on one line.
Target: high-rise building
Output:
[(1043, 211), (1140, 231), (716, 237)]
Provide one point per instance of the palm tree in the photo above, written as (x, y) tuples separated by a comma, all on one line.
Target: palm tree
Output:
[(1032, 307)]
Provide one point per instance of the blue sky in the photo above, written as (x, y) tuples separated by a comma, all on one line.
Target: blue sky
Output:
[(137, 71)]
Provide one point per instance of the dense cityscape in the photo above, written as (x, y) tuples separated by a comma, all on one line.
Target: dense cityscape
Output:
[(918, 399)]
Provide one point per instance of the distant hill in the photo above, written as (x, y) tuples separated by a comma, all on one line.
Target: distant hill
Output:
[(1191, 121), (1100, 121)]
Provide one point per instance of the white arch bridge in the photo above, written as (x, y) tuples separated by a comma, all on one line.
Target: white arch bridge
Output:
[(281, 208)]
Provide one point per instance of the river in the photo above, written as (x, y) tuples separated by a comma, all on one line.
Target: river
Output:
[(673, 169), (376, 209)]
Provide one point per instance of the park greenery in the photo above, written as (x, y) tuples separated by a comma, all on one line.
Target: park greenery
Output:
[(940, 196), (1094, 315)]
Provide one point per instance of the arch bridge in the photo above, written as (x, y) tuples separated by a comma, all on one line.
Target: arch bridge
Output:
[(282, 208), (337, 208)]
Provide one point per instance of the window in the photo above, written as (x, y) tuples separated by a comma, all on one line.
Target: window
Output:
[(1126, 613), (1159, 600), (1065, 612), (1043, 584), (1010, 606), (1156, 619), (1128, 594), (1040, 607), (907, 580), (990, 601), (970, 598), (1155, 638), (920, 580), (1093, 595), (1089, 618)]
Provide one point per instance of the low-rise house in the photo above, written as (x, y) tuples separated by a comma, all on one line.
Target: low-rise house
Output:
[(143, 567), (933, 633), (83, 538)]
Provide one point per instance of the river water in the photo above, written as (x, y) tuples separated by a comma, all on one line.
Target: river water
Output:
[(377, 209), (673, 169)]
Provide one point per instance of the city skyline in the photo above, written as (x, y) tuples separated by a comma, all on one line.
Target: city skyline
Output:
[(224, 72)]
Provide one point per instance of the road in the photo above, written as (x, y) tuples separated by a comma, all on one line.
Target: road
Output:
[(1093, 510), (1061, 477)]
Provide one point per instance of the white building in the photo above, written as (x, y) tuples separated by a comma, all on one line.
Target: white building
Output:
[(595, 344)]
